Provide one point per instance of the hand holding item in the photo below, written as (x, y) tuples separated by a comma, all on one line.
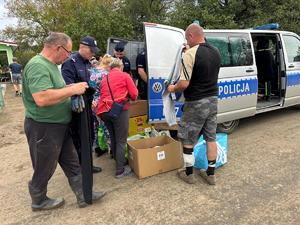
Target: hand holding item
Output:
[(79, 88), (171, 88), (185, 47), (94, 105)]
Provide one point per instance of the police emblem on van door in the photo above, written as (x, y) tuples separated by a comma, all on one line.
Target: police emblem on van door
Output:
[(157, 87)]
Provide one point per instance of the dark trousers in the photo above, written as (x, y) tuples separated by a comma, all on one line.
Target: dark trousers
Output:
[(118, 132), (50, 144), (78, 124), (82, 135)]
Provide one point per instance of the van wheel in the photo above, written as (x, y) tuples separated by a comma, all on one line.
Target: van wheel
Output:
[(227, 127), (296, 106)]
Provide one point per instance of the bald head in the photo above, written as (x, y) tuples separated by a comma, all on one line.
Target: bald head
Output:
[(194, 34)]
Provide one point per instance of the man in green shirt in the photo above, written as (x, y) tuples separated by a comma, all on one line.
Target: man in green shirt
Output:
[(47, 115)]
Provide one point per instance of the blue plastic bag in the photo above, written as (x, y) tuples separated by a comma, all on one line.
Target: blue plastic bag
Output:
[(200, 152)]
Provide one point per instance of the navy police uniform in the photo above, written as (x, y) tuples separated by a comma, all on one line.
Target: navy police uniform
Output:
[(76, 69), (142, 85), (120, 47), (126, 64)]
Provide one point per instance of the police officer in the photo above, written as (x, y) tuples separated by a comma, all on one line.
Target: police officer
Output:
[(74, 70), (120, 53), (142, 75)]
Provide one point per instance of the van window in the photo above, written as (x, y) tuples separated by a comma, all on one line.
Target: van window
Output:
[(292, 46), (235, 49)]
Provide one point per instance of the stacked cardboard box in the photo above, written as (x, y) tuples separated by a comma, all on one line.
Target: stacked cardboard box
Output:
[(138, 117)]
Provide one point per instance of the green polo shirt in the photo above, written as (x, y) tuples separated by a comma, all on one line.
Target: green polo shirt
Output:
[(39, 75)]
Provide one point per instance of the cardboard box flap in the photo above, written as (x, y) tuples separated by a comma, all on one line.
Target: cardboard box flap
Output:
[(138, 108), (151, 142)]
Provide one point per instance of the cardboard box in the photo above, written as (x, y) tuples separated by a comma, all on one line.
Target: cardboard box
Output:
[(137, 125), (138, 108), (154, 155)]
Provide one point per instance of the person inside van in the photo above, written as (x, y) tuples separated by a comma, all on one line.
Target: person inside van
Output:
[(265, 66)]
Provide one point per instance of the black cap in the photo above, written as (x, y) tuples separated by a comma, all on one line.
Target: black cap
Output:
[(120, 47), (91, 42)]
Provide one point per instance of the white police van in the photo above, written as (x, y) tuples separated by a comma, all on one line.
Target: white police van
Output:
[(260, 70)]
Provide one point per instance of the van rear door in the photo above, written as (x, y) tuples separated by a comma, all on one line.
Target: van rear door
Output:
[(162, 44), (291, 44)]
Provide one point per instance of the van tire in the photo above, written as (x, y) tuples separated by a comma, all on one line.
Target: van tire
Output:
[(296, 106), (227, 127)]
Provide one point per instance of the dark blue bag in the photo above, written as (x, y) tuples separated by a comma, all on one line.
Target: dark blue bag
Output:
[(115, 110), (116, 107)]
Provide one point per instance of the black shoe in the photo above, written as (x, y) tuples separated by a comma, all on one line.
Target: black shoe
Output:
[(40, 201), (96, 169), (96, 196), (48, 204), (76, 186)]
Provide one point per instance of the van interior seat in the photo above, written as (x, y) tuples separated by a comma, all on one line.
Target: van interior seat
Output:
[(265, 61)]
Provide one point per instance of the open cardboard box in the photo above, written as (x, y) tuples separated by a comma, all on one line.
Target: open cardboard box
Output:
[(154, 155)]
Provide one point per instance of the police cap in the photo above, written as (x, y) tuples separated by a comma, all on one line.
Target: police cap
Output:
[(120, 46), (91, 42)]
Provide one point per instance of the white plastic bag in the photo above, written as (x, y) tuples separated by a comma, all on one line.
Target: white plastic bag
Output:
[(170, 98)]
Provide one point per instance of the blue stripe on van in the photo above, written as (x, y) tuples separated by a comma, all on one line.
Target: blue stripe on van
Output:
[(235, 88), (227, 89), (293, 78)]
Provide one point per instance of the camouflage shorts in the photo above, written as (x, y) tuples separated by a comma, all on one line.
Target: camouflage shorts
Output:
[(200, 115)]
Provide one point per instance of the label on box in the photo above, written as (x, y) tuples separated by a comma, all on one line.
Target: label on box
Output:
[(161, 155)]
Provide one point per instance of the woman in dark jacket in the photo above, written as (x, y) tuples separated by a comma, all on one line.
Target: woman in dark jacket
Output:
[(122, 87)]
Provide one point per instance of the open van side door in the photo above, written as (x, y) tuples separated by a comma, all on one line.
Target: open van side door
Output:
[(291, 44), (238, 74), (162, 44)]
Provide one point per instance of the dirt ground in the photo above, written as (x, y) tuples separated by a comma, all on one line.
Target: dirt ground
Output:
[(259, 185)]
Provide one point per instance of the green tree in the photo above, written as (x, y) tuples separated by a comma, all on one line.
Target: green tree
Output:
[(252, 13), (124, 18), (287, 14), (209, 13), (139, 11), (98, 18), (239, 14)]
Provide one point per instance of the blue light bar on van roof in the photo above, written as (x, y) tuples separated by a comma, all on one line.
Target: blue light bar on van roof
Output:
[(270, 26)]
